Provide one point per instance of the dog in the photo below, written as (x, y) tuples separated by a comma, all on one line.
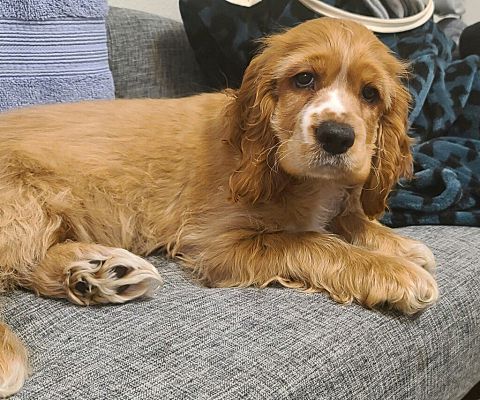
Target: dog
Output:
[(281, 181)]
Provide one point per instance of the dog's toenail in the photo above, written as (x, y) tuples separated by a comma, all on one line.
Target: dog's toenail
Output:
[(122, 289), (120, 271), (81, 287), (96, 262)]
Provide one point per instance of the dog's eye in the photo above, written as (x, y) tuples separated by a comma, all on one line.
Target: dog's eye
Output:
[(304, 80), (370, 94)]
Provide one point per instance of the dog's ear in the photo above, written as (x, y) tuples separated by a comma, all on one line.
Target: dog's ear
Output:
[(392, 158), (255, 178)]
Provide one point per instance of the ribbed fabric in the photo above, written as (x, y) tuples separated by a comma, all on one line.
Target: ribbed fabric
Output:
[(52, 48)]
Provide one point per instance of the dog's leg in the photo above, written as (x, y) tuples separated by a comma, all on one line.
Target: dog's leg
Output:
[(92, 274), (359, 230), (26, 232), (33, 256), (13, 362), (314, 261)]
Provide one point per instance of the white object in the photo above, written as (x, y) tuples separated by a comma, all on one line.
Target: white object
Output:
[(374, 24), (244, 3)]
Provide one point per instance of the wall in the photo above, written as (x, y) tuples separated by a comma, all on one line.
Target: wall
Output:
[(169, 8), (473, 11)]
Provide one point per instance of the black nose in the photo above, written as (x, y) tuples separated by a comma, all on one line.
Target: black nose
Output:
[(335, 137)]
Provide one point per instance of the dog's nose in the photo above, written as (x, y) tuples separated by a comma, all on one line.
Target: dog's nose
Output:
[(335, 137)]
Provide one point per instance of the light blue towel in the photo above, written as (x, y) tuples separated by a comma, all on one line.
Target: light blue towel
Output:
[(36, 10), (53, 51)]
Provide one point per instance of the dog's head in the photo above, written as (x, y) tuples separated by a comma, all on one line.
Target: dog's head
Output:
[(325, 100)]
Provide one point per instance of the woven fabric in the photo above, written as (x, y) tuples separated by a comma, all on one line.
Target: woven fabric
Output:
[(191, 342), (39, 10), (150, 56), (52, 48), (444, 121), (53, 52)]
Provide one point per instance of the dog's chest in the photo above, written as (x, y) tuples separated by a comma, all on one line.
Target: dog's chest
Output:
[(314, 212)]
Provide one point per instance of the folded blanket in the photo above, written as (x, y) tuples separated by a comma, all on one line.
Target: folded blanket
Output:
[(445, 121), (53, 51), (446, 188)]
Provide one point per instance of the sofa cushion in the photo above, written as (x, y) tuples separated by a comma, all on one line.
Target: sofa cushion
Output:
[(53, 52), (191, 342), (150, 56)]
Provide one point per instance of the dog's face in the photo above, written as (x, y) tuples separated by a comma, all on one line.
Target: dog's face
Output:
[(331, 95)]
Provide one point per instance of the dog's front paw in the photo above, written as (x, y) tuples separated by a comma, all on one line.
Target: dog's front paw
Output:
[(418, 253), (404, 286), (380, 280), (112, 276)]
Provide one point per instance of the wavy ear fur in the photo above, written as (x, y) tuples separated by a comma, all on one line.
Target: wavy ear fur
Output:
[(255, 179), (393, 158)]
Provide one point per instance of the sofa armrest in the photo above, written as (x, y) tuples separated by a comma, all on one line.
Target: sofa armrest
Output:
[(150, 56)]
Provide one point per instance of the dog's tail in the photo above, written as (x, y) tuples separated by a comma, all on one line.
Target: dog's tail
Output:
[(14, 367)]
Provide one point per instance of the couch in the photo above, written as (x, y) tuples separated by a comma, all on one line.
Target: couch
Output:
[(193, 342)]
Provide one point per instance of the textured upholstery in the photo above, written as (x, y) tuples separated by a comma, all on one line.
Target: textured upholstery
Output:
[(190, 342), (150, 56)]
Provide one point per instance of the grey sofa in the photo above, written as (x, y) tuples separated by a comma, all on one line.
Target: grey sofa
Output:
[(191, 342)]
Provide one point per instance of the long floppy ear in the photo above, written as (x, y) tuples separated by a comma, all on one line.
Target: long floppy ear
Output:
[(393, 158), (256, 178)]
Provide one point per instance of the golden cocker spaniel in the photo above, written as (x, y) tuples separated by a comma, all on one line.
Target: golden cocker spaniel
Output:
[(279, 181)]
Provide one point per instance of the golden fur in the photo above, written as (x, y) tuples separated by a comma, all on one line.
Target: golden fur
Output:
[(233, 184)]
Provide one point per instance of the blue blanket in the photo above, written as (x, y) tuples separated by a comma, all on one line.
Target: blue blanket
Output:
[(445, 120), (53, 51), (445, 117)]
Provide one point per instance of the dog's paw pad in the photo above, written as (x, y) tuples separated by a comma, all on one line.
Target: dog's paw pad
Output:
[(119, 271), (118, 278), (122, 289), (82, 287)]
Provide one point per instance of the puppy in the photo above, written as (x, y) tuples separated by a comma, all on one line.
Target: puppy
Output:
[(279, 181)]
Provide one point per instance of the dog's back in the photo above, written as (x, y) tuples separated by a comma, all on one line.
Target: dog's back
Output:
[(103, 161)]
